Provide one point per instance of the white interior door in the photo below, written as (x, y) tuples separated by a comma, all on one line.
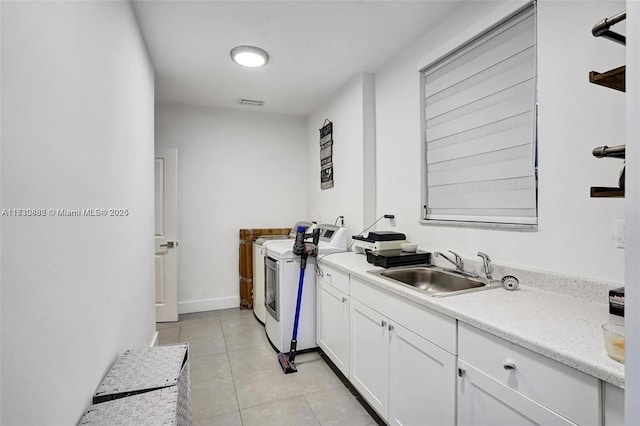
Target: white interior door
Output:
[(166, 233)]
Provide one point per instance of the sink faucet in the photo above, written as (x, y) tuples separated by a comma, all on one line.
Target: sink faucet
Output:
[(486, 260), (458, 263)]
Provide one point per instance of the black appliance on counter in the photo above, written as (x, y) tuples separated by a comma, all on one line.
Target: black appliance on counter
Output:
[(391, 258)]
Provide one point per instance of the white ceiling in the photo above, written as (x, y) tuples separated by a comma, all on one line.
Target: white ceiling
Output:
[(314, 46)]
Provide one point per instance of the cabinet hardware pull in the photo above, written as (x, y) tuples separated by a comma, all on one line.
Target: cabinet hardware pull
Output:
[(344, 299), (329, 274), (460, 372), (390, 327), (509, 365), (383, 323)]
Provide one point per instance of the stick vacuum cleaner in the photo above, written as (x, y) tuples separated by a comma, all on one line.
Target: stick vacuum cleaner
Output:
[(304, 250)]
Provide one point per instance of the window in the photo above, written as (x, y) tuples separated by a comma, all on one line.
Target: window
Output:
[(480, 129)]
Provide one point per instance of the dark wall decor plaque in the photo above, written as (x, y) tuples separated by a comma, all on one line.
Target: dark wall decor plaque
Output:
[(326, 155)]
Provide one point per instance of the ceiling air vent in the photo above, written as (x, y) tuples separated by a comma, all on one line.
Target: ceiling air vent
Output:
[(251, 102)]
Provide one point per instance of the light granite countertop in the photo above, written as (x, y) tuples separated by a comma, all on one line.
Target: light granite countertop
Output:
[(553, 324)]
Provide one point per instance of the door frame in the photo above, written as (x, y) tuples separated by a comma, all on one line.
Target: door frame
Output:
[(168, 312)]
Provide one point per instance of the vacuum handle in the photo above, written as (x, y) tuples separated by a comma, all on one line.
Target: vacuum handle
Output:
[(298, 246)]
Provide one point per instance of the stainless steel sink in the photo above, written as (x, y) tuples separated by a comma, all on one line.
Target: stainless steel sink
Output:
[(433, 280)]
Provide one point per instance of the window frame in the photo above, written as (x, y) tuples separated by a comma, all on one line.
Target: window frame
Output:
[(457, 46)]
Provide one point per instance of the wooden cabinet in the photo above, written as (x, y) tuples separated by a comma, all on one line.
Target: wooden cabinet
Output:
[(406, 378), (332, 324), (508, 384)]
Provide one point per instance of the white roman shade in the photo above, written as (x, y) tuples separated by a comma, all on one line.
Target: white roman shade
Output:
[(480, 125)]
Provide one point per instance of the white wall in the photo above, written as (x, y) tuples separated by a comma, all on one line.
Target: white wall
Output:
[(0, 220), (77, 132), (575, 233), (632, 285), (351, 111), (235, 170)]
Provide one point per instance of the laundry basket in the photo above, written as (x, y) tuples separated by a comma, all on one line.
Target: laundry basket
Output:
[(153, 408), (140, 371)]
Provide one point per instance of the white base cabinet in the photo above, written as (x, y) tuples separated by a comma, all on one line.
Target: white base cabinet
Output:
[(422, 384), (484, 401), (332, 326), (370, 356), (406, 378), (500, 383), (401, 357)]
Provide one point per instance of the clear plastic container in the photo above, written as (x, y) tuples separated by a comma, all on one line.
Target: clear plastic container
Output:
[(614, 340)]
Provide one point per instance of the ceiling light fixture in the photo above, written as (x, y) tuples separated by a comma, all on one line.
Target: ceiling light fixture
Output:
[(249, 56)]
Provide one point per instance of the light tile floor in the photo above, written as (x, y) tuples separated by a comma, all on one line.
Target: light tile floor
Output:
[(236, 378)]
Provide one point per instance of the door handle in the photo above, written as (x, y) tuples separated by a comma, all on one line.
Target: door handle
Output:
[(170, 244)]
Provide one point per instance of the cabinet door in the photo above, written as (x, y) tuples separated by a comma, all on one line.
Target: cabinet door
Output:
[(564, 390), (369, 349), (613, 405), (484, 401), (422, 384), (332, 326)]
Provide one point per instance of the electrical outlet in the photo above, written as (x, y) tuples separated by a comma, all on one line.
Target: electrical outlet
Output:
[(620, 231)]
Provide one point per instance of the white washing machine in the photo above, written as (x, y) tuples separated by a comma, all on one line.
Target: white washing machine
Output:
[(259, 249), (282, 276)]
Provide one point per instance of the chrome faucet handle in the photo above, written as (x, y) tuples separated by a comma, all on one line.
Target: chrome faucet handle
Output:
[(444, 256), (459, 262), (486, 260)]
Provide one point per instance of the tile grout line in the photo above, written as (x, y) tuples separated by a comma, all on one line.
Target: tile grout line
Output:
[(233, 379), (230, 370), (311, 408), (264, 403), (228, 334)]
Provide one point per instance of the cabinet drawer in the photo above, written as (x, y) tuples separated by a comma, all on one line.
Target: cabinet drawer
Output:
[(565, 390), (484, 401), (335, 278), (431, 325)]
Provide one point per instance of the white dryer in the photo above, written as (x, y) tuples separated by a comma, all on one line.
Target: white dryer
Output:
[(282, 276), (259, 249)]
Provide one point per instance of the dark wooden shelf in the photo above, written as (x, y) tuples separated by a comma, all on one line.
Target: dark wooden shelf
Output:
[(606, 192), (613, 79)]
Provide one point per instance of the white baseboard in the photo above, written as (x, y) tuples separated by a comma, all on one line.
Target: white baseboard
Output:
[(190, 306), (154, 341)]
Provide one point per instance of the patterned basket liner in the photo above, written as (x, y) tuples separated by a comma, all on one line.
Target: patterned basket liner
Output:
[(149, 370), (159, 407)]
